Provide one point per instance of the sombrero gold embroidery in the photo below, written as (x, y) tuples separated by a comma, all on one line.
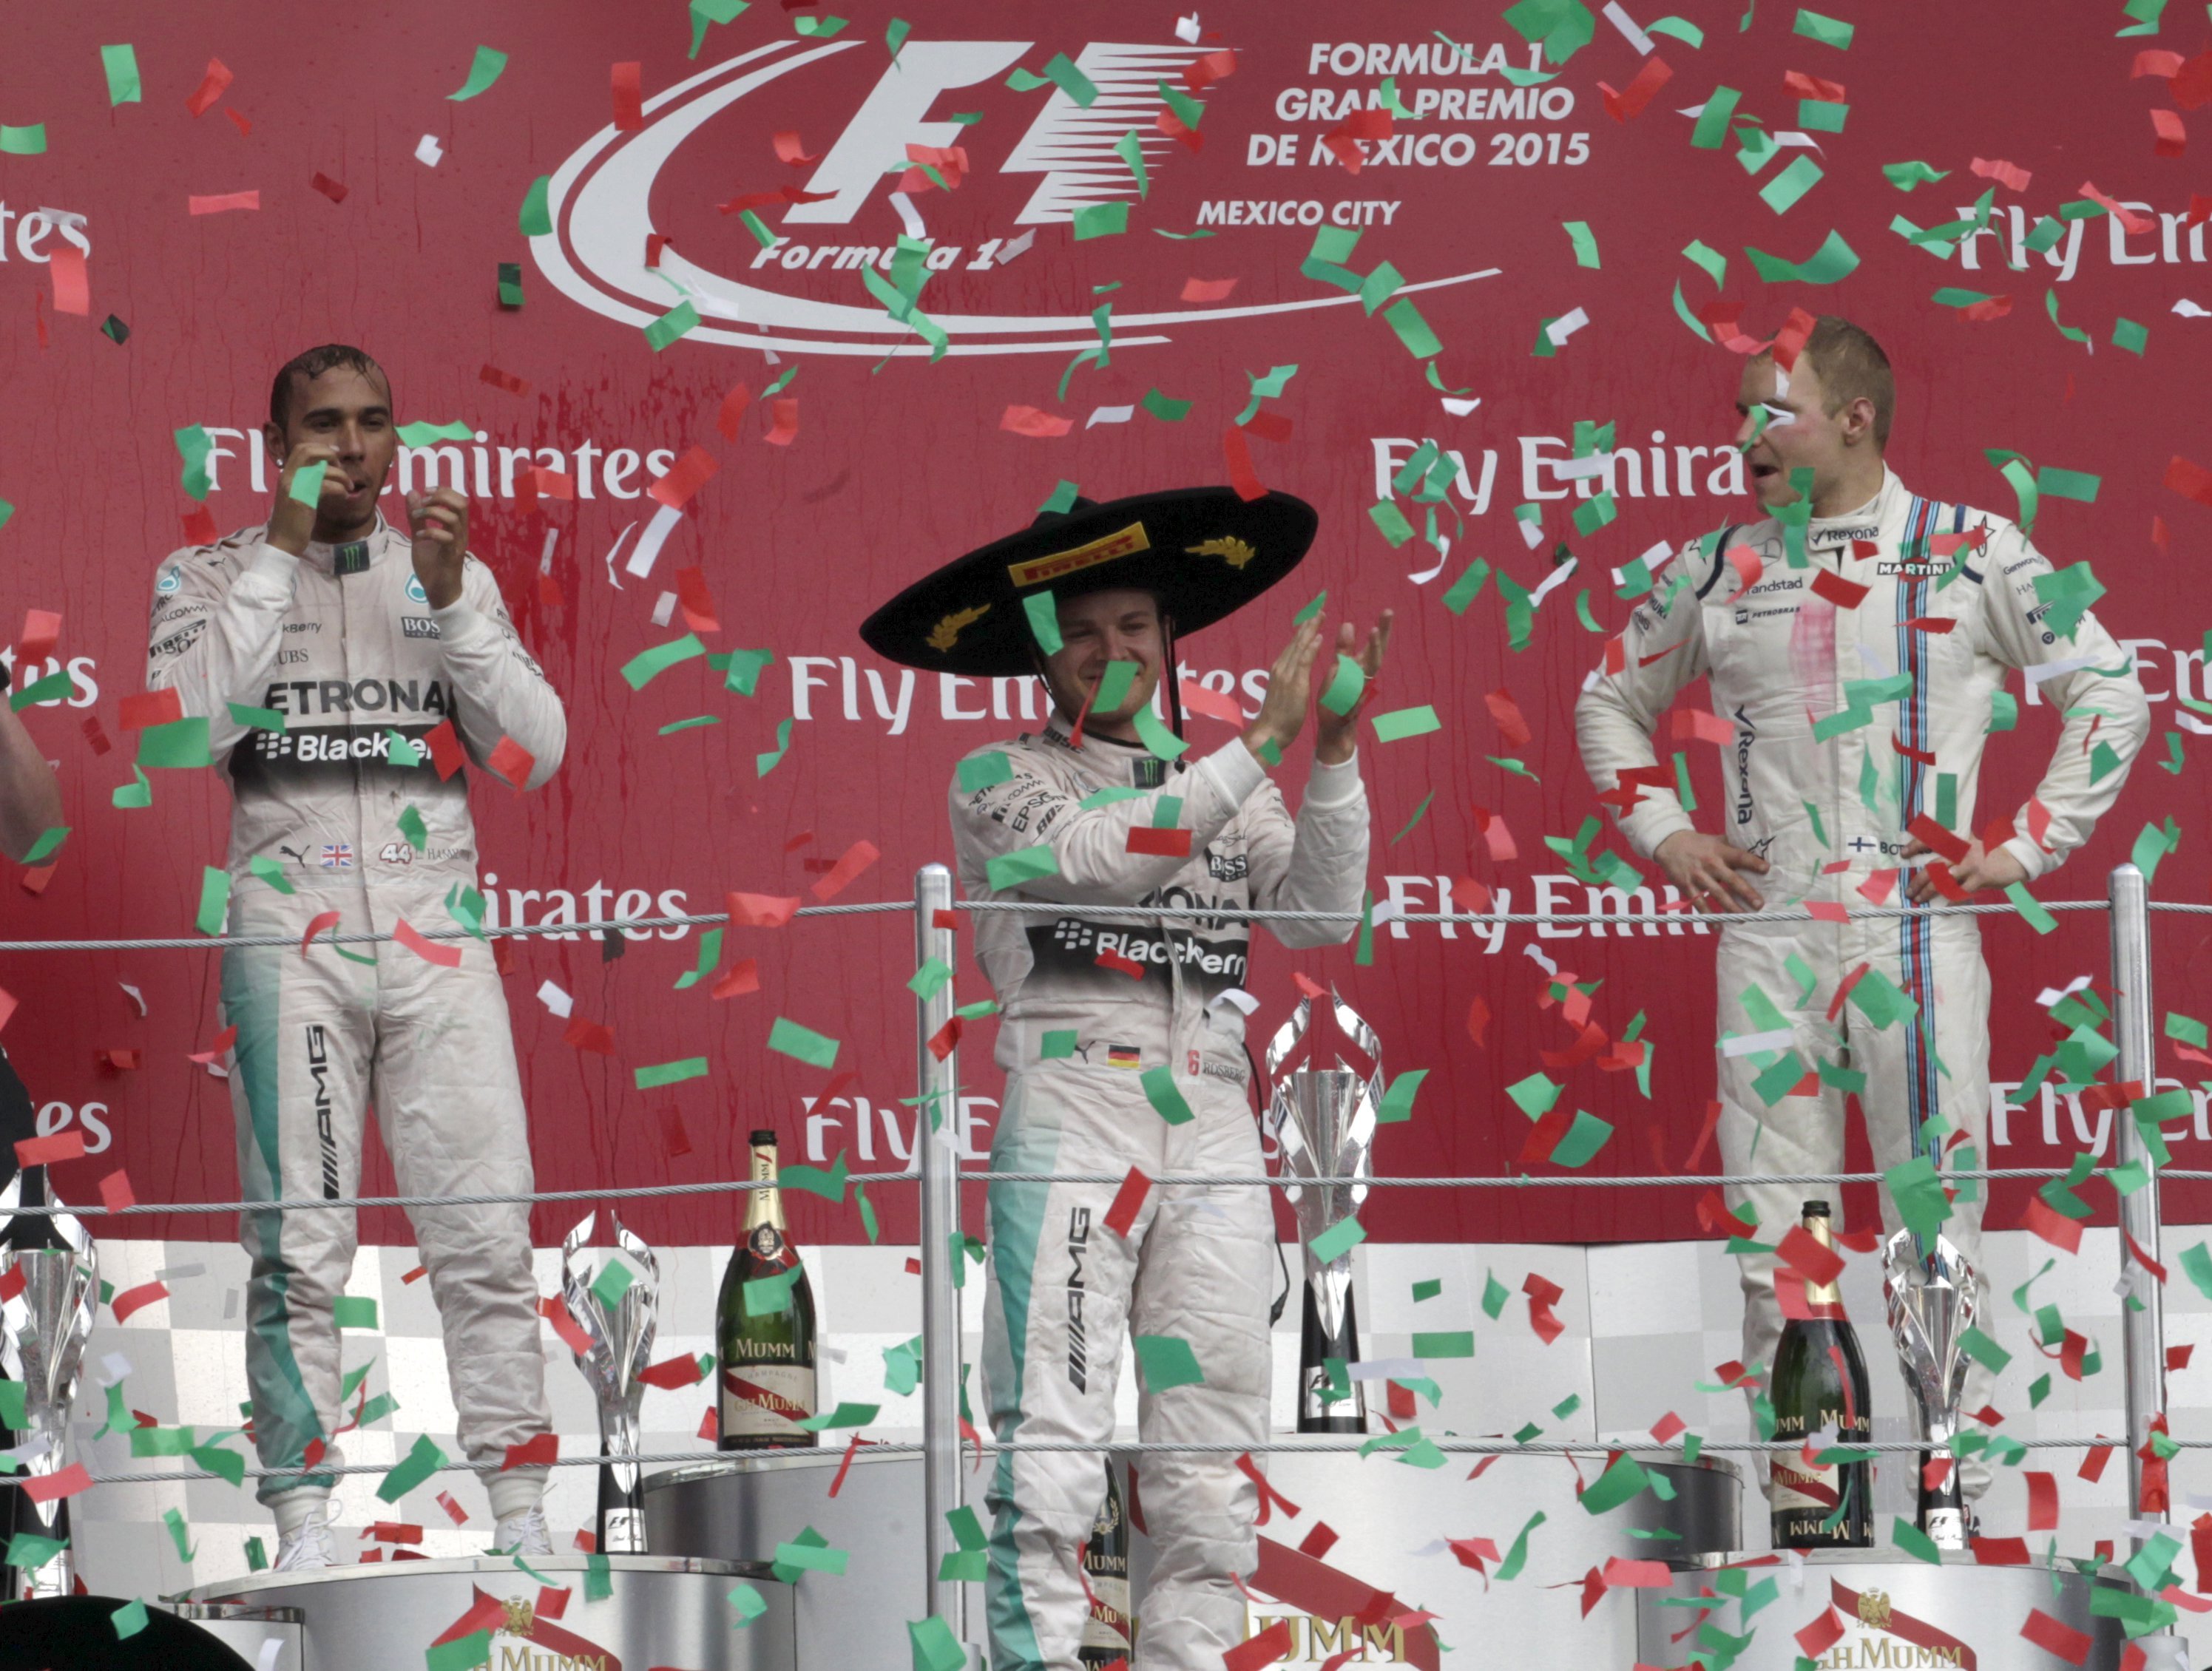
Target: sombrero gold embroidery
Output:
[(1229, 548), (947, 631)]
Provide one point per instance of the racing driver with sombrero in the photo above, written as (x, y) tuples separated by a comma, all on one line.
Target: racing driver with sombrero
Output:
[(1123, 1037)]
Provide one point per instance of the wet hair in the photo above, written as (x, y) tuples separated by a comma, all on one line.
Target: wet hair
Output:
[(1852, 366), (312, 364)]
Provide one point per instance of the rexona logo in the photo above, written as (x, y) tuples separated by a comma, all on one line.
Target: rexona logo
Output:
[(600, 198)]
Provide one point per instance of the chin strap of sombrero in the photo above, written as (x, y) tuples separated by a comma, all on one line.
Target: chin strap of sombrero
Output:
[(1168, 672)]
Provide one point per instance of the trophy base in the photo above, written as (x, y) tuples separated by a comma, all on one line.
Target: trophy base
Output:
[(1317, 1346)]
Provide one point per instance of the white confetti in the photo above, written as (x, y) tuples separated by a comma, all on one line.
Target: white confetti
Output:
[(545, 557), (1242, 999), (1014, 247), (136, 997), (1186, 29), (1654, 558), (178, 1272), (646, 551), (1560, 328), (1459, 408), (1583, 470), (1746, 1044), (1109, 415), (114, 1368), (1554, 581), (1387, 1368), (427, 153), (2050, 995), (663, 609), (556, 1001), (909, 216), (1536, 955), (612, 549), (1622, 21), (2190, 310)]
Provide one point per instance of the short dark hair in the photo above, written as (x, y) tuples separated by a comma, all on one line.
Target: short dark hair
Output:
[(312, 364), (1851, 366)]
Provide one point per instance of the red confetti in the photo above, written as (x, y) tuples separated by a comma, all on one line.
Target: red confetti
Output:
[(445, 745), (1207, 289), (154, 707), (1628, 104), (52, 1487), (855, 858), (1039, 426), (760, 910), (2190, 480), (788, 150), (673, 1373), (742, 977), (500, 379), (137, 1299), (2092, 1465), (1238, 456), (2172, 137), (334, 190), (685, 477), (47, 1150), (115, 1192), (1843, 593), (1159, 843), (455, 1511), (445, 955), (72, 292), (591, 1036), (733, 407), (2053, 1226), (223, 203), (1802, 1251), (628, 97), (695, 601), (1128, 1201), (1507, 712), (783, 426), (2053, 1637), (511, 761), (210, 88)]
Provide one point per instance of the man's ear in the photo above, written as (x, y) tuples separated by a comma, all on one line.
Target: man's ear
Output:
[(273, 438), (1859, 416)]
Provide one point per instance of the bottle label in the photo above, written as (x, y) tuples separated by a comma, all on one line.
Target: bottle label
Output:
[(1798, 1486), (767, 1400), (1107, 1625), (766, 1241)]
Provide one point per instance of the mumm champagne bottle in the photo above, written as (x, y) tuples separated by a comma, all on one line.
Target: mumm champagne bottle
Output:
[(767, 1384), (1108, 1631), (1820, 1384)]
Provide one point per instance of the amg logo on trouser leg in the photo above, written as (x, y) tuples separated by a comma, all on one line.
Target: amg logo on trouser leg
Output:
[(318, 1066), (1079, 1236)]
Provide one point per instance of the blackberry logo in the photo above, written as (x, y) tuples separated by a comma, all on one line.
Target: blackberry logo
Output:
[(1073, 934)]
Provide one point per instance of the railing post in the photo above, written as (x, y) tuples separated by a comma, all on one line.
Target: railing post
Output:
[(936, 1137), (2142, 1331)]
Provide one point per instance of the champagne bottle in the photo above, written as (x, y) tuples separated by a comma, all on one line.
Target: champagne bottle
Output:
[(1109, 1632), (767, 1384), (1820, 1383)]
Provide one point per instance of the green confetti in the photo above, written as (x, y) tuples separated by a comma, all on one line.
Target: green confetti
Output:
[(670, 1073), (1101, 220), (55, 686), (675, 323), (1713, 119), (1166, 1361), (2129, 335), (353, 1311), (121, 64), (1131, 150), (1828, 31), (615, 1279), (1412, 330), (1163, 408), (23, 142), (769, 759), (750, 1603), (45, 847), (417, 1466), (1403, 722), (489, 66), (1585, 243), (1905, 176), (1057, 1045), (1009, 870), (1345, 687), (820, 28), (214, 900), (1835, 259), (786, 1038), (537, 216), (128, 1620), (641, 670), (1160, 1092), (1044, 611), (1910, 1538), (1583, 1139), (194, 444), (1419, 813), (1782, 192), (2030, 908), (1339, 1239), (1398, 1101)]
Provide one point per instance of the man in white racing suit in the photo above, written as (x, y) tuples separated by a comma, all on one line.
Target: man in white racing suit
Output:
[(344, 669), (1858, 673), (1122, 1043)]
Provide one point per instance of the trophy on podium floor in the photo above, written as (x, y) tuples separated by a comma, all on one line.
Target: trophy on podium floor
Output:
[(1328, 1092), (49, 1280), (622, 1342), (1934, 1297)]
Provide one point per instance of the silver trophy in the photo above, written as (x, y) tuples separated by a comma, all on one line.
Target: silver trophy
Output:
[(43, 1331), (622, 1343), (1328, 1092), (1934, 1295)]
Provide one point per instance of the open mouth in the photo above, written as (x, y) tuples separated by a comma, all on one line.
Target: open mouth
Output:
[(1766, 472)]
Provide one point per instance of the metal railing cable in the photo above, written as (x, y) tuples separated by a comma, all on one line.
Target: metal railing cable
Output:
[(1351, 1445), (1651, 923), (1257, 1180)]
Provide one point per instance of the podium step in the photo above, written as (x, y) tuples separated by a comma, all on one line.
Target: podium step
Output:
[(659, 1611)]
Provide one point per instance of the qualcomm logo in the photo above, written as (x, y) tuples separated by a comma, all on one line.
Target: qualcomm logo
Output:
[(599, 199)]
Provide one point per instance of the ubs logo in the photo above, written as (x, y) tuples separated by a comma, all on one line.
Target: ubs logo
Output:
[(599, 201)]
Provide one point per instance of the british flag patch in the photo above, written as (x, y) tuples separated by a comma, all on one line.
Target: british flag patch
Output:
[(337, 856)]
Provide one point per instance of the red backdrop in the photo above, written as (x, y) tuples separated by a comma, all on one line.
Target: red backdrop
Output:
[(897, 464)]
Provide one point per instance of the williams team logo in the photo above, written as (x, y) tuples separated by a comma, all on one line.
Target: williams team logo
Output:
[(601, 201)]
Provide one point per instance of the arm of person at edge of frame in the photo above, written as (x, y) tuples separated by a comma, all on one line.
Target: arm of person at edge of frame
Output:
[(1662, 650), (30, 794), (228, 658), (503, 691), (2106, 695), (1319, 862)]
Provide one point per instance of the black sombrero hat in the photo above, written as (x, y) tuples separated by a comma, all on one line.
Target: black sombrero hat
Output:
[(1204, 551)]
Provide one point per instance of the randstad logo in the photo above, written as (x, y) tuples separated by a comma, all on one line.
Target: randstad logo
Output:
[(600, 199)]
